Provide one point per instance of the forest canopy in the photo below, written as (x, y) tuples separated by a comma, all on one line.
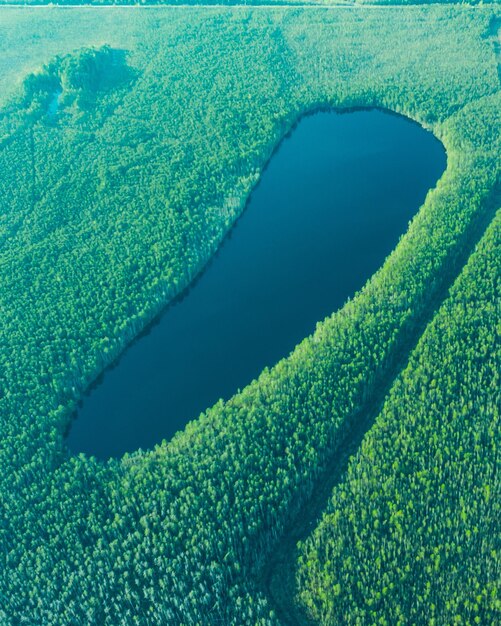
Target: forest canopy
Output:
[(129, 143)]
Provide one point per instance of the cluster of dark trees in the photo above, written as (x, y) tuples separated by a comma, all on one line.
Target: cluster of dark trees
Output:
[(111, 203)]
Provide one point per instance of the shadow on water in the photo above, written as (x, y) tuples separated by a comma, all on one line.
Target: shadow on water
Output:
[(328, 209)]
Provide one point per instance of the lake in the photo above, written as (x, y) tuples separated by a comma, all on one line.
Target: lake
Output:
[(330, 206)]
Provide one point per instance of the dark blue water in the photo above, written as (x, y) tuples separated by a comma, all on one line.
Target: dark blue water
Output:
[(329, 208)]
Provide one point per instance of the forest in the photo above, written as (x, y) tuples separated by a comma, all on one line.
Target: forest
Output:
[(411, 532), (128, 149), (139, 3)]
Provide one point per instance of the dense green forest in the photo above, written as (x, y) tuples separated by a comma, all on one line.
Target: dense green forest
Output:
[(124, 164), (412, 530)]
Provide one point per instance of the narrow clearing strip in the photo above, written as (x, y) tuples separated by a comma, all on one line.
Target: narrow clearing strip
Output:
[(278, 574), (236, 5)]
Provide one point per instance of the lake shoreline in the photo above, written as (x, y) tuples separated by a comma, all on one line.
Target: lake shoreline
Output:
[(287, 132)]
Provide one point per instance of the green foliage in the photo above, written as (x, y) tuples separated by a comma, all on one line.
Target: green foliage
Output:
[(78, 78), (412, 532), (38, 88), (115, 200), (341, 3)]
